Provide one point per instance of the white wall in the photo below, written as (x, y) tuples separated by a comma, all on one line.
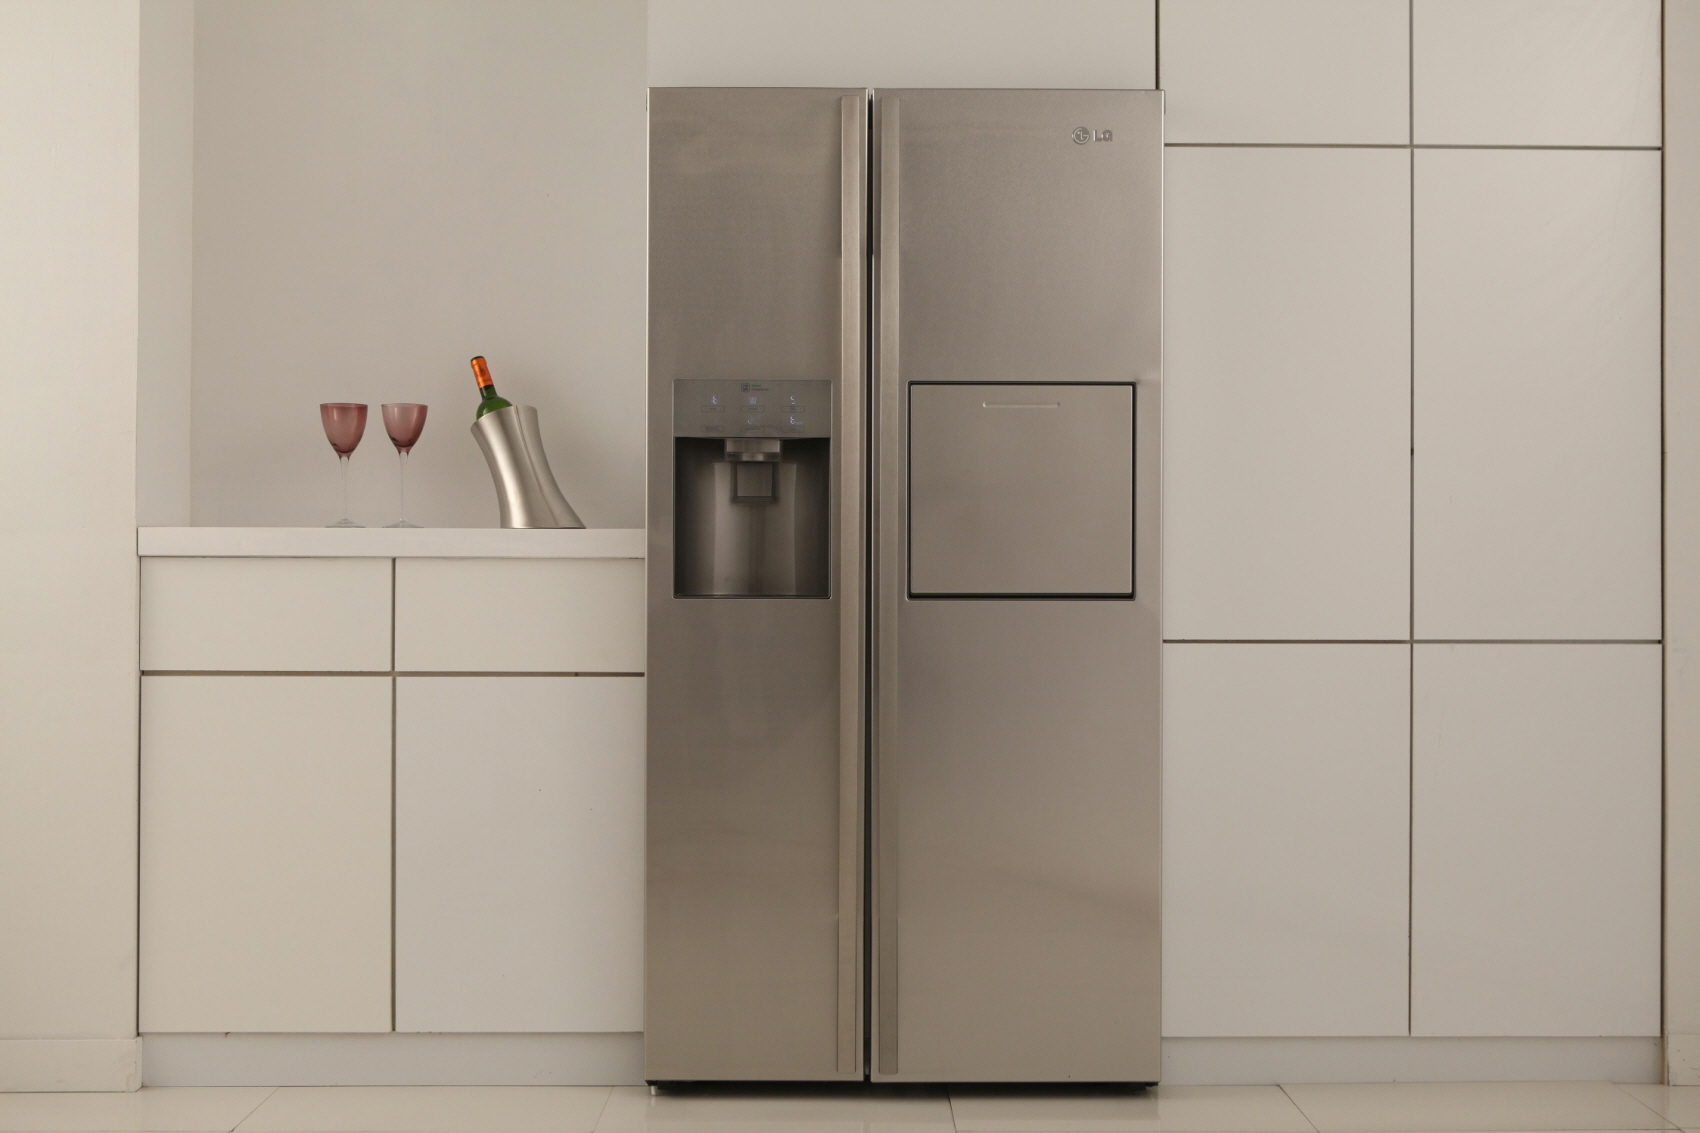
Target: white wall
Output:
[(1682, 540), (69, 211), (383, 190), (167, 244)]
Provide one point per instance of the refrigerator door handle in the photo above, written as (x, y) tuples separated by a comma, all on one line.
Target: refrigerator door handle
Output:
[(852, 661), (889, 507)]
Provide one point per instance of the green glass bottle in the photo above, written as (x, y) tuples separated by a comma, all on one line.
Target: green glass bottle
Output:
[(492, 400)]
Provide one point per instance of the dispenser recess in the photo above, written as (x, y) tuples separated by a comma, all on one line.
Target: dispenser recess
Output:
[(751, 510)]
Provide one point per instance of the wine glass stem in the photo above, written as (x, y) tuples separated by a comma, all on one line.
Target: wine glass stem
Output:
[(401, 493), (342, 458)]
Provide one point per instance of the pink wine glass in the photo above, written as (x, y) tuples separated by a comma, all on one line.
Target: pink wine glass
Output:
[(345, 424), (403, 421)]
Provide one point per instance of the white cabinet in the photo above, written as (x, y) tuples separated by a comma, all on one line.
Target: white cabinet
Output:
[(1318, 71), (1285, 805), (1537, 395), (1535, 72), (1536, 823), (1287, 408), (266, 615), (519, 853), (519, 615), (265, 853)]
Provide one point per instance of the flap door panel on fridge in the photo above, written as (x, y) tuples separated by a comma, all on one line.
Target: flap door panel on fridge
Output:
[(1020, 490)]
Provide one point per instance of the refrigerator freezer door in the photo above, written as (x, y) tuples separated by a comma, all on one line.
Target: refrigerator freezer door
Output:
[(1016, 745), (753, 961), (1020, 489)]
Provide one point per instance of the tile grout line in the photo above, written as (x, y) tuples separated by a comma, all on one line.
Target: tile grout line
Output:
[(607, 1099), (1668, 1122), (256, 1109), (1294, 1102)]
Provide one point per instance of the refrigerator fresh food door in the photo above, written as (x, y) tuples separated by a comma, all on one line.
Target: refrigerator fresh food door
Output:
[(753, 932), (1017, 663)]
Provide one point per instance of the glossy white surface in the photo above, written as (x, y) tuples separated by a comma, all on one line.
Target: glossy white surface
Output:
[(1333, 71), (1287, 412), (1285, 804), (386, 542), (1536, 842), (187, 1110), (519, 853), (1536, 72), (902, 43), (521, 616), (1473, 1106), (265, 846), (266, 615), (632, 1109), (1537, 395), (430, 1109), (1677, 1104), (1165, 1108)]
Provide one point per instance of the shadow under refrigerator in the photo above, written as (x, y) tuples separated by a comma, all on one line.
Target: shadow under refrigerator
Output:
[(905, 411)]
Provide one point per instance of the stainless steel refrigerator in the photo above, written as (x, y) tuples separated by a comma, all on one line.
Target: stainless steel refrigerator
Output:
[(905, 418)]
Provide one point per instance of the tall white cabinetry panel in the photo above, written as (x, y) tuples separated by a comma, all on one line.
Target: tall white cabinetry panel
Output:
[(265, 853), (519, 615), (1537, 395), (1300, 71), (266, 615), (1535, 72), (1535, 871), (1287, 413), (519, 853), (1285, 849)]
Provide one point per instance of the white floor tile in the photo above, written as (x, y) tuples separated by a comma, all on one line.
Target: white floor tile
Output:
[(632, 1109), (1476, 1106), (431, 1109), (179, 1109), (1680, 1104), (1240, 1109)]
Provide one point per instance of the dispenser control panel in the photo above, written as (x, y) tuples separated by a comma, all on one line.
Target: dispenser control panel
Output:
[(728, 408)]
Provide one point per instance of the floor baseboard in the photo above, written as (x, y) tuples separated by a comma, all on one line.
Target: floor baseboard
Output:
[(392, 1059), (46, 1065), (1409, 1059)]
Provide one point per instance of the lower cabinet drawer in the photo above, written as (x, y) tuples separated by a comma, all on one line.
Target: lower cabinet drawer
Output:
[(265, 853), (519, 853), (519, 615)]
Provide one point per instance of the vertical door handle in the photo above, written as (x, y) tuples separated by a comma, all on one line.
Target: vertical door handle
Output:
[(890, 507), (852, 580)]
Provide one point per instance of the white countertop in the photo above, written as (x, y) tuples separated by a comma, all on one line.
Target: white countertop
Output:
[(389, 542)]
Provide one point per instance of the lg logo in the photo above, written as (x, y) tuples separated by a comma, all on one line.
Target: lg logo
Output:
[(1082, 135)]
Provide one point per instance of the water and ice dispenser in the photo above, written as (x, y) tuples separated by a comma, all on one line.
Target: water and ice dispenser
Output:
[(751, 491)]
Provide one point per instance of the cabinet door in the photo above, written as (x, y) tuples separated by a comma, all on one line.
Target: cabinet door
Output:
[(265, 853), (1287, 412), (519, 853), (1285, 800), (1536, 840), (1537, 395)]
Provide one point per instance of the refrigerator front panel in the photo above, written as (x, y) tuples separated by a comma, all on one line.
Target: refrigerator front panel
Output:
[(1015, 751), (1020, 489), (753, 961)]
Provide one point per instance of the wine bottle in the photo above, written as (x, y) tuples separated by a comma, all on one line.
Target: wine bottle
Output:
[(492, 400)]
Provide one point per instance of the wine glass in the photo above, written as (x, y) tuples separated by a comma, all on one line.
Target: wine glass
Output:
[(345, 424), (404, 421)]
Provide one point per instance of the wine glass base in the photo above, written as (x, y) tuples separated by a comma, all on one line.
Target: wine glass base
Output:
[(403, 523), (345, 523)]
